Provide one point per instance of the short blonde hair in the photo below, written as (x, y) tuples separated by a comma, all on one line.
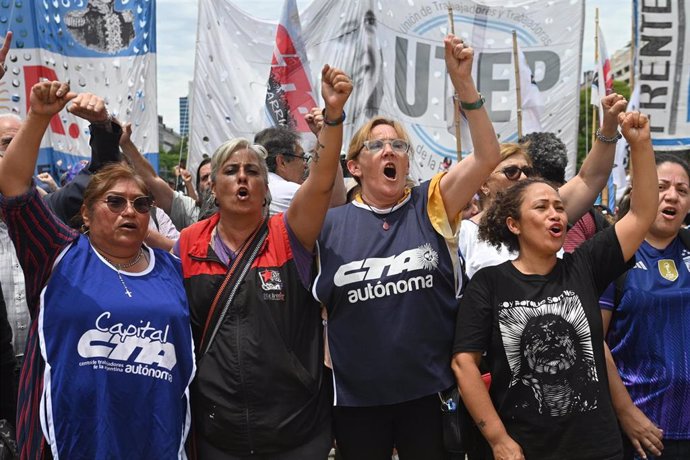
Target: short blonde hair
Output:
[(363, 133)]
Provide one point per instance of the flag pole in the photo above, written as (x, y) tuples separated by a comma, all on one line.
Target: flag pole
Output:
[(518, 92), (456, 102), (595, 108)]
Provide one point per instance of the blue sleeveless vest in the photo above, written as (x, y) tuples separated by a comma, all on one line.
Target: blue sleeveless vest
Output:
[(117, 367)]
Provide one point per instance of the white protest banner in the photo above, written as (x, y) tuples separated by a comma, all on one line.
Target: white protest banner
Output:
[(105, 48), (394, 52), (663, 70)]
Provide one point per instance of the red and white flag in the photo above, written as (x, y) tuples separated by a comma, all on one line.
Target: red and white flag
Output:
[(602, 80), (289, 95)]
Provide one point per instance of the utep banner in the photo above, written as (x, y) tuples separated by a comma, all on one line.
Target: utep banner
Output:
[(102, 47), (394, 52), (663, 70)]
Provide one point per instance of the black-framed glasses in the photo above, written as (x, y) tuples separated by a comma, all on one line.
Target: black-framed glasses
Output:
[(304, 157), (513, 172), (117, 203), (376, 145)]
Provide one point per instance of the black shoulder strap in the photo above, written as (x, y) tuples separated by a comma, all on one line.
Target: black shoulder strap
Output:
[(227, 290)]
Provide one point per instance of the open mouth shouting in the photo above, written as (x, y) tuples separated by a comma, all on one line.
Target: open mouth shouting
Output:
[(243, 193), (390, 171), (556, 230), (129, 225), (669, 213)]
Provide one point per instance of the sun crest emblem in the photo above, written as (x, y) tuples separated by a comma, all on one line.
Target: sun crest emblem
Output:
[(428, 258)]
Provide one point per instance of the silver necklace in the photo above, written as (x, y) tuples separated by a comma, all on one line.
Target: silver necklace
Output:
[(129, 264), (385, 224)]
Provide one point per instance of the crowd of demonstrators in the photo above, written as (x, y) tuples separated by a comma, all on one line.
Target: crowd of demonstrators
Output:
[(288, 163), (260, 389), (387, 279), (257, 309), (536, 319), (645, 313), (578, 194)]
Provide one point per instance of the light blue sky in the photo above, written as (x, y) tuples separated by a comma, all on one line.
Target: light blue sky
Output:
[(177, 20)]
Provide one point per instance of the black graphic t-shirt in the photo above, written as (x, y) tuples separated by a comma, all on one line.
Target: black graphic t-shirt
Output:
[(544, 346)]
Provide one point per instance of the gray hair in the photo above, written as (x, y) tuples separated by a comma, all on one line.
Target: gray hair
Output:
[(229, 148)]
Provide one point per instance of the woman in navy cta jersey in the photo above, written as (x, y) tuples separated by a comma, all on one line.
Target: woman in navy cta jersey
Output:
[(648, 324), (109, 356), (387, 264), (260, 389), (537, 320)]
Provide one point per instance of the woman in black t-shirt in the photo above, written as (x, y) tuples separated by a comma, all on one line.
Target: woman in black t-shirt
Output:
[(537, 320)]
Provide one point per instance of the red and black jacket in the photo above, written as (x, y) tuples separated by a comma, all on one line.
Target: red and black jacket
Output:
[(259, 387)]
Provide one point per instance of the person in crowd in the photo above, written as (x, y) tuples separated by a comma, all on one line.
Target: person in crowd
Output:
[(578, 194), (536, 318), (647, 316), (65, 203), (549, 157), (288, 163), (183, 210), (387, 262), (260, 389), (109, 355)]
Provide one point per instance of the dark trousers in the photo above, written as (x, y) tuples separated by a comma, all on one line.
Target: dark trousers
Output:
[(315, 449), (370, 433)]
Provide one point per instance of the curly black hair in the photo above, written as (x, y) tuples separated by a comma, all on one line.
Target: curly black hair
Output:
[(549, 155), (492, 226)]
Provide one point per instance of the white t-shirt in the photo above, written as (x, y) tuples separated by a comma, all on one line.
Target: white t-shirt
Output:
[(282, 192), (477, 253)]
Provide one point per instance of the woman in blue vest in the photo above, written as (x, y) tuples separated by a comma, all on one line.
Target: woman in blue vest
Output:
[(387, 279), (109, 355), (535, 321), (648, 323)]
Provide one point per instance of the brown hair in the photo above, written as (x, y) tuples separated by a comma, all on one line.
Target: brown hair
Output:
[(104, 180), (493, 227)]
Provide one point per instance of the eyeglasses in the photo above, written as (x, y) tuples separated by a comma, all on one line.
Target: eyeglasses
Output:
[(512, 173), (376, 145), (303, 157), (117, 203)]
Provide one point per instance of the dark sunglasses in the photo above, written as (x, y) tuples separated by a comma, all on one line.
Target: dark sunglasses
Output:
[(513, 172), (117, 203)]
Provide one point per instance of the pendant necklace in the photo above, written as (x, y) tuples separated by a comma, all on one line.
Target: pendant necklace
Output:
[(385, 224), (126, 265)]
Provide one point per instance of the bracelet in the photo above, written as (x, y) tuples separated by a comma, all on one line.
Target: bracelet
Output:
[(607, 140), (328, 122), (473, 105)]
